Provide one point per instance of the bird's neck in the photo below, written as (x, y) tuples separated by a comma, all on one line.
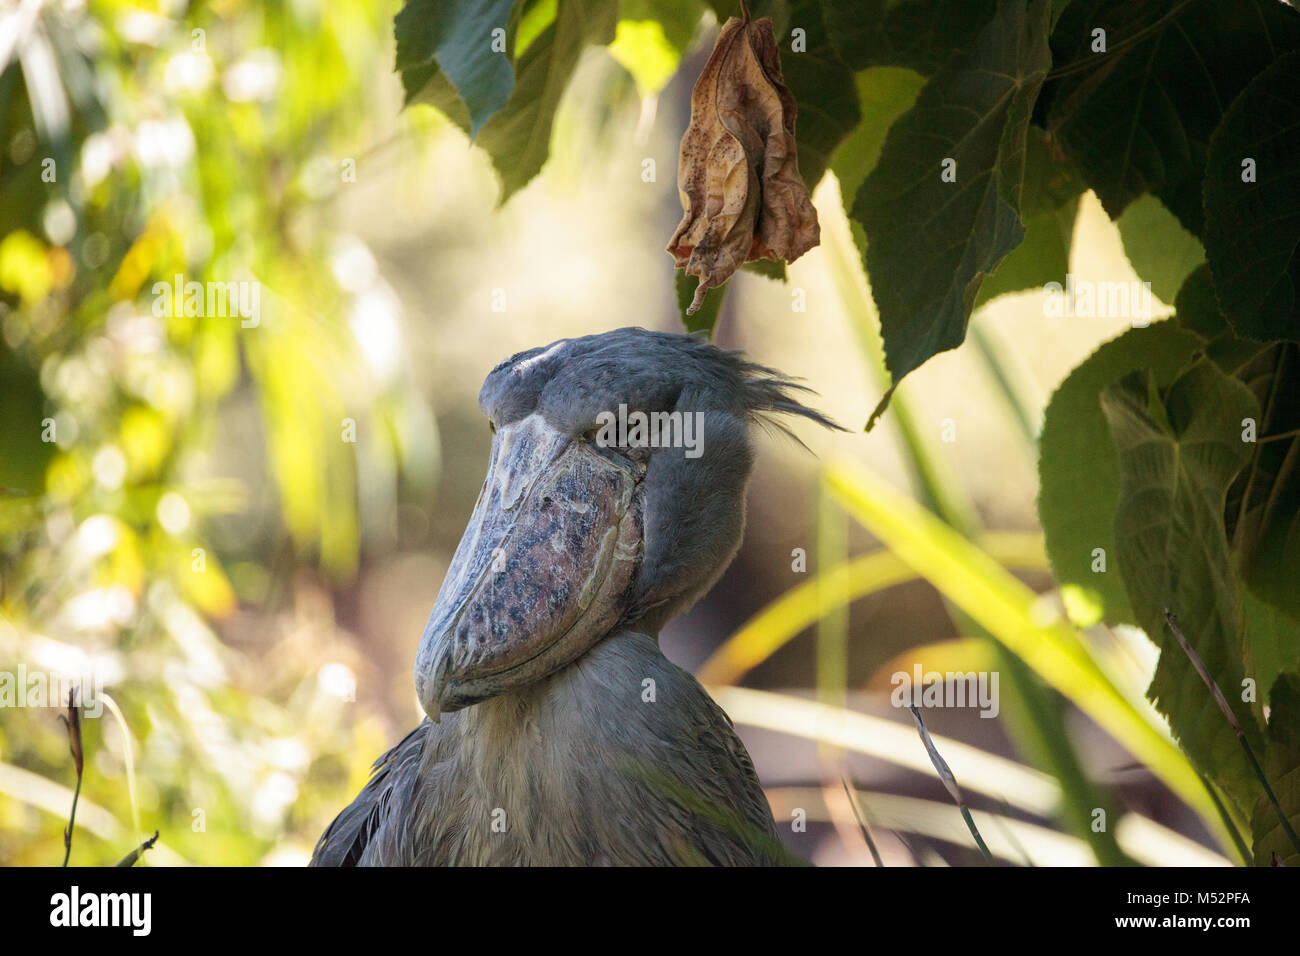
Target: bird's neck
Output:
[(605, 686)]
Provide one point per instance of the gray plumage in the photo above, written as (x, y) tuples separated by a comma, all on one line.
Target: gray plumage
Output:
[(581, 750)]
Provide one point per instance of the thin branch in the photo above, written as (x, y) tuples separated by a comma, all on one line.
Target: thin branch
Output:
[(1219, 699), (1280, 435), (950, 782), (72, 720)]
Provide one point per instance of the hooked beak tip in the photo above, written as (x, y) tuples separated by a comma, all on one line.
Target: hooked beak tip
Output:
[(432, 700)]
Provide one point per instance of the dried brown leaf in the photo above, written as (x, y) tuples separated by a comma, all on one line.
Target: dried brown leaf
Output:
[(738, 172)]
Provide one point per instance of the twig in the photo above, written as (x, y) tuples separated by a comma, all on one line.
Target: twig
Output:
[(950, 782), (73, 722), (131, 858), (1280, 435), (1236, 725), (862, 823)]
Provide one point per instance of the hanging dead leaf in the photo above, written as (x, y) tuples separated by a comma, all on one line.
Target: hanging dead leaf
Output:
[(738, 172)]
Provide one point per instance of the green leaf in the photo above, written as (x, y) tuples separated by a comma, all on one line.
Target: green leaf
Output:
[(706, 317), (918, 34), (1177, 456), (1043, 256), (822, 86), (1138, 118), (1197, 308), (1078, 469), (454, 37), (1282, 767), (1252, 229), (652, 35), (774, 269), (678, 18), (533, 19), (1160, 250), (428, 84), (1049, 204), (930, 243), (518, 137), (884, 94), (1274, 642), (642, 48), (1263, 512), (1198, 312)]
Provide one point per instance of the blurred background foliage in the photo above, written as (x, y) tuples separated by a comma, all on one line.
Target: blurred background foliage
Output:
[(183, 511)]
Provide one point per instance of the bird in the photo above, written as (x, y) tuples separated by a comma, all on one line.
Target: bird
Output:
[(556, 732)]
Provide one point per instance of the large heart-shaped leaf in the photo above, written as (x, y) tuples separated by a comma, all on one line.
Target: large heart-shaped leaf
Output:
[(1138, 117), (824, 88), (919, 34), (1160, 250), (884, 94), (1049, 204), (1078, 469), (1252, 206), (1263, 513), (932, 238), (1177, 455)]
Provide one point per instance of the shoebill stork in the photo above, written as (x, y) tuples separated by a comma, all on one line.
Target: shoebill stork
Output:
[(557, 733)]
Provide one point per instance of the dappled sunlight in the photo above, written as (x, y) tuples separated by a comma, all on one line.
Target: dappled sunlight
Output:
[(244, 325)]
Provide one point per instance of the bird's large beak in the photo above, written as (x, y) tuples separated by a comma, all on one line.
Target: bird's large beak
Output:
[(542, 572)]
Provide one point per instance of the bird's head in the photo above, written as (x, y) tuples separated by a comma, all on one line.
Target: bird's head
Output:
[(614, 498)]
